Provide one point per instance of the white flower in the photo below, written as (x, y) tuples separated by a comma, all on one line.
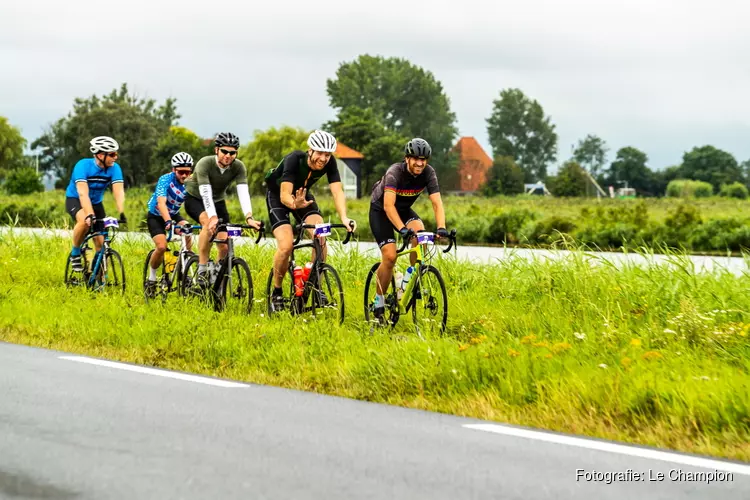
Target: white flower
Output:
[(580, 336), (603, 366), (668, 330)]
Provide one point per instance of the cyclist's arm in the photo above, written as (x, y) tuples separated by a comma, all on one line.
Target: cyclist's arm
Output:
[(118, 187), (161, 197), (437, 207), (83, 195), (389, 205), (207, 194), (287, 198), (243, 193), (339, 198)]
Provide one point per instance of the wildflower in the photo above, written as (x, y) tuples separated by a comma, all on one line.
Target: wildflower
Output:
[(561, 346), (540, 344), (463, 347), (625, 362), (513, 353), (650, 355), (478, 340), (528, 339), (603, 365), (635, 342), (668, 330), (548, 355), (580, 336)]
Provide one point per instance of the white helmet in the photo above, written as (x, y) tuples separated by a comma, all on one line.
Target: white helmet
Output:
[(182, 160), (103, 144), (322, 141)]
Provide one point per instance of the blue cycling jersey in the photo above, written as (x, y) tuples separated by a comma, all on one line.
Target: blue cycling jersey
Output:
[(171, 188), (98, 179)]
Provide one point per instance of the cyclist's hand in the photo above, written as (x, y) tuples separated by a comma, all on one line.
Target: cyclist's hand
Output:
[(254, 223), (351, 224), (299, 199), (442, 232), (213, 222), (123, 219), (168, 225), (405, 232), (90, 219)]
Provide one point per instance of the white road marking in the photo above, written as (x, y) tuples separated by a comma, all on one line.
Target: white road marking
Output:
[(613, 448), (154, 371)]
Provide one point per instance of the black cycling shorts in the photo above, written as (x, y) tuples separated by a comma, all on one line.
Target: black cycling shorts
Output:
[(194, 208), (73, 205), (156, 224), (278, 213), (381, 226)]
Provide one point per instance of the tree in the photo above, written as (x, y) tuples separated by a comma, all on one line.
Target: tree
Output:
[(518, 128), (23, 180), (176, 140), (591, 154), (711, 165), (267, 149), (571, 180), (406, 100), (630, 166), (363, 131), (12, 144), (504, 177), (136, 124)]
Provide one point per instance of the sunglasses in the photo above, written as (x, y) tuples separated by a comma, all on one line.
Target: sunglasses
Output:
[(183, 172), (228, 152), (112, 155)]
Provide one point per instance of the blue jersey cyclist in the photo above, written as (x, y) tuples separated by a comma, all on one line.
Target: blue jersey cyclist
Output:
[(164, 210), (85, 193)]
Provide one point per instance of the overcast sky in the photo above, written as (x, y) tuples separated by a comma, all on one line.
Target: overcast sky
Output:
[(660, 75)]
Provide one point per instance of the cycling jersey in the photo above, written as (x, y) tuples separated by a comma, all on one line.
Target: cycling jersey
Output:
[(169, 187), (294, 168), (407, 187), (97, 178), (206, 171)]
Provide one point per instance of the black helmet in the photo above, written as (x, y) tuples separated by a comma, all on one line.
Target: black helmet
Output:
[(418, 148), (227, 139)]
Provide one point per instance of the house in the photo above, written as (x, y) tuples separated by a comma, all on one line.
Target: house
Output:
[(350, 168), (473, 164)]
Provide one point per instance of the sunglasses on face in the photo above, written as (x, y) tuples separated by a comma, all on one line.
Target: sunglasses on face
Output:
[(183, 172), (112, 155), (228, 152)]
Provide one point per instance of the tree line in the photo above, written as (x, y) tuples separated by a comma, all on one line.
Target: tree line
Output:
[(380, 103)]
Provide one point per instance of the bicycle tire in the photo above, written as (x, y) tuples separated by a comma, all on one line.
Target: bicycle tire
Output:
[(428, 269), (392, 314), (241, 265), (325, 269), (288, 299), (115, 264)]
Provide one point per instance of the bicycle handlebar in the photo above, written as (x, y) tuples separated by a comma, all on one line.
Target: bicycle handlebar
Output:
[(411, 234), (223, 227), (301, 227), (184, 228)]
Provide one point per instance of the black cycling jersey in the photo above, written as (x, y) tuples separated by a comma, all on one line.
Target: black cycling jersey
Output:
[(407, 187), (294, 168)]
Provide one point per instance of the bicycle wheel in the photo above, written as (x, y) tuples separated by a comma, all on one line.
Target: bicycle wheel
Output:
[(290, 302), (163, 282), (237, 290), (391, 299), (327, 297), (190, 286), (73, 278), (113, 274), (428, 296)]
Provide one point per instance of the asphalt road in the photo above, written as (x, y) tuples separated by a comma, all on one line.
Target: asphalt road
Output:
[(70, 429)]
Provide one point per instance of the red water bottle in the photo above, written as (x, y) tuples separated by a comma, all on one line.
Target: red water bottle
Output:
[(299, 283), (306, 271)]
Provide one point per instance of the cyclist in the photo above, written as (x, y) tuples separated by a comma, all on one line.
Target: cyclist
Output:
[(390, 208), (85, 193), (206, 189), (287, 192), (164, 211)]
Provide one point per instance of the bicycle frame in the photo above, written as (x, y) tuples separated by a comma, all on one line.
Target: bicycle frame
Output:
[(407, 300), (99, 259), (186, 231), (226, 266)]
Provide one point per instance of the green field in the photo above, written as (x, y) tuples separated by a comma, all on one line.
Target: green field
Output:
[(706, 225), (644, 355)]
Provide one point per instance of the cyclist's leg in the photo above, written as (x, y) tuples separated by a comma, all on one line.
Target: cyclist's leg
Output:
[(100, 214), (311, 215), (194, 208), (413, 222), (73, 207), (382, 230), (223, 214), (278, 217), (156, 228)]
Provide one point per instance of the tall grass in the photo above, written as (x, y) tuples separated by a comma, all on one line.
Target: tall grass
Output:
[(649, 355)]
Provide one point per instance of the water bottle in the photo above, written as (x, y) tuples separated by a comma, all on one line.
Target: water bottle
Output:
[(299, 284), (306, 271), (170, 260), (407, 277)]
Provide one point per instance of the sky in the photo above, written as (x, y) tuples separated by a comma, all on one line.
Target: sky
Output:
[(660, 75)]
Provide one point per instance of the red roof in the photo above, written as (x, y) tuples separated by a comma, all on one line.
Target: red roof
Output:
[(473, 164), (343, 151)]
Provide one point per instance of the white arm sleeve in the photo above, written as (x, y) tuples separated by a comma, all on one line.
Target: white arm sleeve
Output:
[(243, 193), (208, 199)]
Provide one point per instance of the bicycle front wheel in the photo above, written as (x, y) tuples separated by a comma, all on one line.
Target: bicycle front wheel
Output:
[(328, 296), (236, 290), (429, 303), (113, 276)]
